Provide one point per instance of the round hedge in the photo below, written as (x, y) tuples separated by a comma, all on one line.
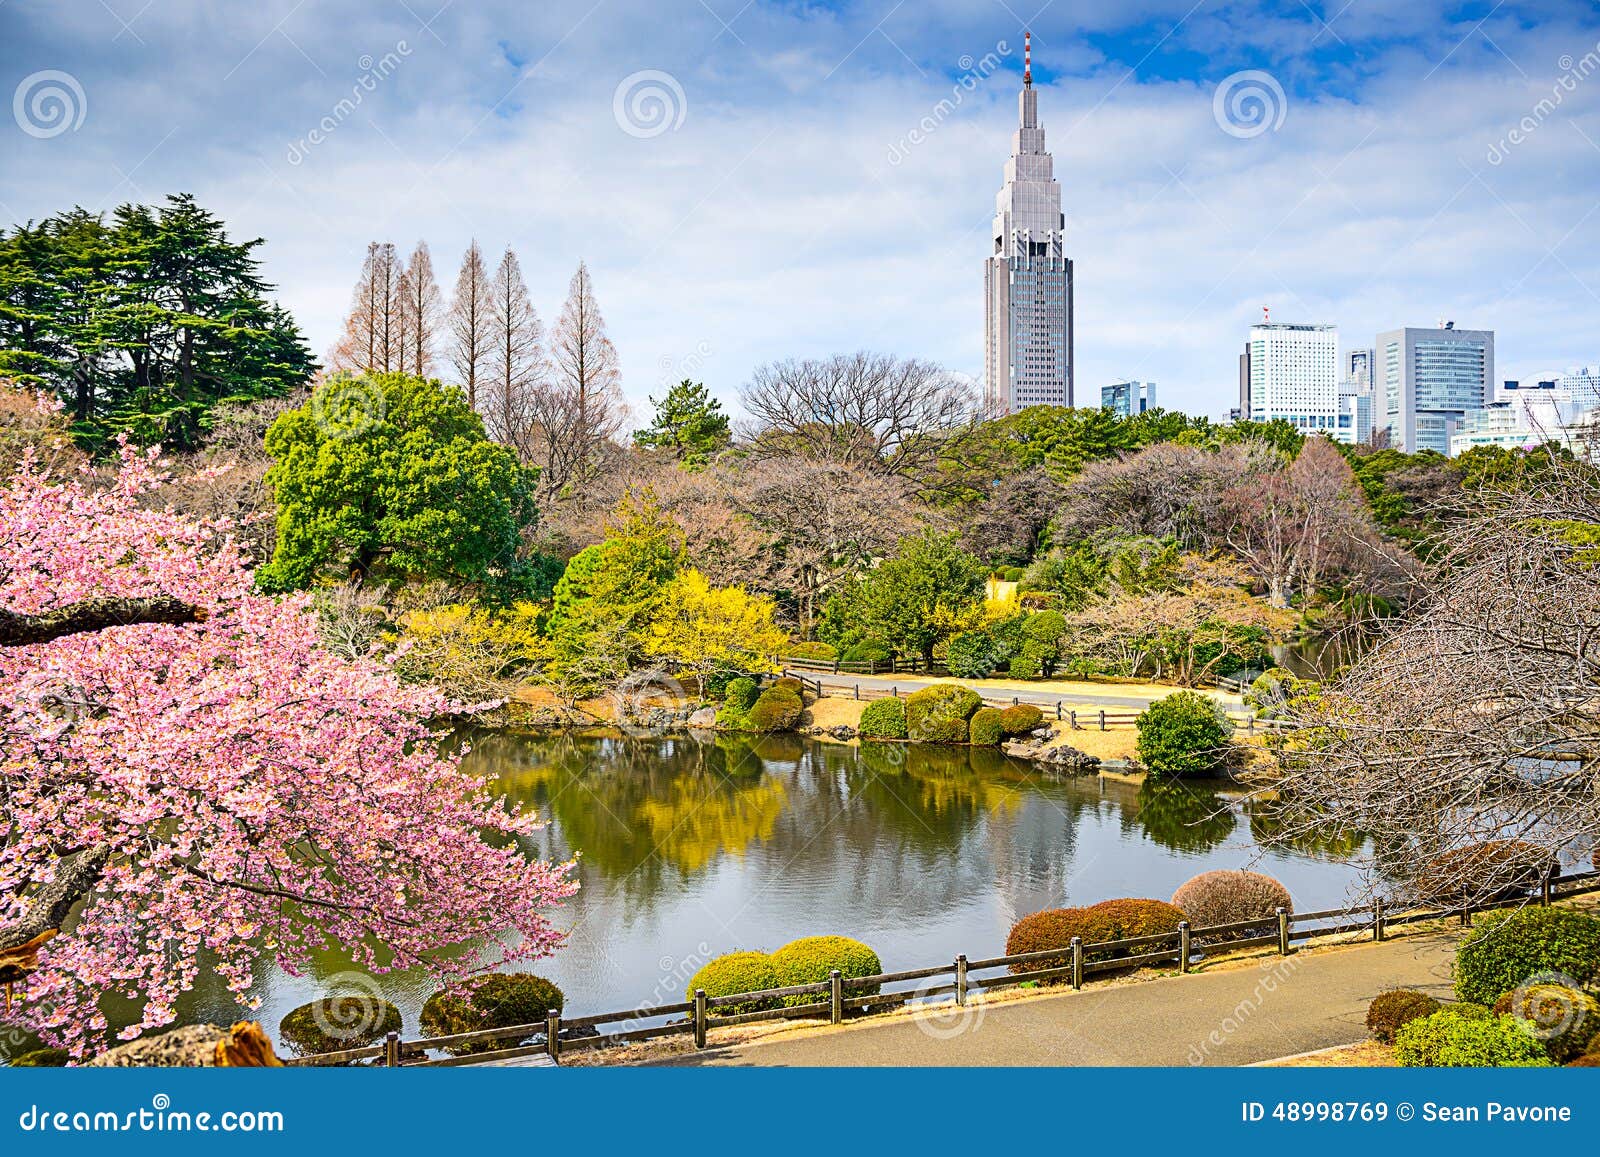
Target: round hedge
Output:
[(1020, 718), (1467, 1036), (1183, 734), (1508, 949), (1099, 923), (777, 709), (883, 719), (737, 972), (1390, 1011), (1566, 1020), (500, 1000), (740, 694), (1483, 871), (1227, 897), (811, 958), (939, 712), (867, 651), (815, 649), (41, 1059), (986, 728), (970, 655), (338, 1022)]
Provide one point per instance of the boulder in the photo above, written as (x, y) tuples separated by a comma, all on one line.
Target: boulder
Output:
[(1058, 757), (705, 719), (244, 1045)]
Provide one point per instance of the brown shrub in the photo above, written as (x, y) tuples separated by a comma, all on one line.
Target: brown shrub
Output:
[(1227, 897)]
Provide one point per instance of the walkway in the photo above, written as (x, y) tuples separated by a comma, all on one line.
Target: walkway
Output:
[(1275, 1007), (1044, 695)]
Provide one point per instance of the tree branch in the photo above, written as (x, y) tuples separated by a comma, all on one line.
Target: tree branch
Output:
[(21, 940), (18, 630)]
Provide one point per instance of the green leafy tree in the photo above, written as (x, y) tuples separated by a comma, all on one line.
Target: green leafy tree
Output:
[(394, 472), (1183, 734), (143, 324), (689, 422), (929, 590)]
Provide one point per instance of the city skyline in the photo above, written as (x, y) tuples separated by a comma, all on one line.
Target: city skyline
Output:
[(838, 162)]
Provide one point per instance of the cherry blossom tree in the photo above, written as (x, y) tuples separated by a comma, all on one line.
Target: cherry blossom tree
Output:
[(187, 776)]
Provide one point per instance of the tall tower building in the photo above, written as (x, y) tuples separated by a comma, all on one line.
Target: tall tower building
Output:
[(1429, 380), (1028, 276), (1291, 372)]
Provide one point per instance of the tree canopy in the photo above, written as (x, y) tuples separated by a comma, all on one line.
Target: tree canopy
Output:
[(689, 422)]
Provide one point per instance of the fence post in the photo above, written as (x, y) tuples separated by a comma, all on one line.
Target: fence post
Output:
[(1102, 719), (961, 979), (1015, 700), (1074, 717), (552, 1034), (699, 1018), (836, 666), (1058, 711), (1378, 930), (894, 691), (1466, 915), (391, 1050), (1283, 931), (1544, 887), (858, 692), (836, 996), (1183, 946), (1077, 962)]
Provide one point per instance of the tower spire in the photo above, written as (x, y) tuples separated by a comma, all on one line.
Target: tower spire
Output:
[(1027, 58)]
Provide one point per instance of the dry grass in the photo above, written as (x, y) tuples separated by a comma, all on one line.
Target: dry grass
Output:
[(1367, 1054)]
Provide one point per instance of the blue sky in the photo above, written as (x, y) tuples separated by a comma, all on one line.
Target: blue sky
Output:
[(789, 204)]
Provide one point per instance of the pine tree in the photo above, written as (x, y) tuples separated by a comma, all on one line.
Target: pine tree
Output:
[(516, 370), (468, 324)]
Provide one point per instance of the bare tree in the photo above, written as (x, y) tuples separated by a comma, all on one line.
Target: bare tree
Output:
[(371, 338), (881, 413), (468, 327), (419, 312), (581, 407), (516, 369), (1467, 742)]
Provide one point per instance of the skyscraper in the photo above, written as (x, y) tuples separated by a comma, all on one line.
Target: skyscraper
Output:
[(1290, 371), (1428, 380), (1028, 276)]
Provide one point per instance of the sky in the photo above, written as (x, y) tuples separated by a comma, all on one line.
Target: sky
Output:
[(750, 181)]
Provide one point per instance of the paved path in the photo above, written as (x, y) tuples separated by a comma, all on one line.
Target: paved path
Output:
[(1272, 1008), (1115, 695)]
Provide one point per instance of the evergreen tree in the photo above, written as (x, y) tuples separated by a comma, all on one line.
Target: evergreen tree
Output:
[(689, 422)]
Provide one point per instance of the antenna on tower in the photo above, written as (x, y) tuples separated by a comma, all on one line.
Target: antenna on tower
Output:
[(1027, 58), (1266, 314)]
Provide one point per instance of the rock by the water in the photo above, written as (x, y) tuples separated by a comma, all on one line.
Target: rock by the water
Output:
[(1057, 757), (704, 719), (843, 731), (244, 1045)]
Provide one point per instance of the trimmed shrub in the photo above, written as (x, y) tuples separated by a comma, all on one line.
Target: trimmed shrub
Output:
[(970, 655), (883, 719), (1586, 1061), (1027, 663), (1564, 1019), (1183, 734), (715, 685), (776, 709), (1227, 897), (740, 694), (811, 958), (1490, 870), (1508, 949), (814, 650), (788, 683), (1105, 921), (737, 972), (867, 651), (1390, 1011), (1011, 574), (939, 713), (986, 728), (1467, 1036), (339, 1022), (1020, 718), (499, 1000), (41, 1059)]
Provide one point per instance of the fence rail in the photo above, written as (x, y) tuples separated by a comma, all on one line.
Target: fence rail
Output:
[(1075, 962)]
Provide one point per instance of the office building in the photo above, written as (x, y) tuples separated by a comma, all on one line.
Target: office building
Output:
[(1429, 380), (1290, 371), (1127, 398)]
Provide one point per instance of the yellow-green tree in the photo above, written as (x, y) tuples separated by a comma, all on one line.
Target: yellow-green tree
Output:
[(702, 627)]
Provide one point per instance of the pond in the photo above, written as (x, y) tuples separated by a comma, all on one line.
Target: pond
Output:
[(692, 848)]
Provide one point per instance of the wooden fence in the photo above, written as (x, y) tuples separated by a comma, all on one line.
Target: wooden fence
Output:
[(838, 995)]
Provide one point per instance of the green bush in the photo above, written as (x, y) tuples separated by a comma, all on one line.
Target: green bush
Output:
[(1227, 897), (1508, 949), (1390, 1011), (970, 655), (1106, 921), (499, 1000), (883, 719), (867, 651), (777, 709), (715, 685), (1020, 718), (939, 713), (1564, 1019), (986, 728), (1027, 663), (1183, 734), (816, 649), (1011, 574), (740, 694), (737, 972), (339, 1022), (41, 1059), (1467, 1036), (811, 958)]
